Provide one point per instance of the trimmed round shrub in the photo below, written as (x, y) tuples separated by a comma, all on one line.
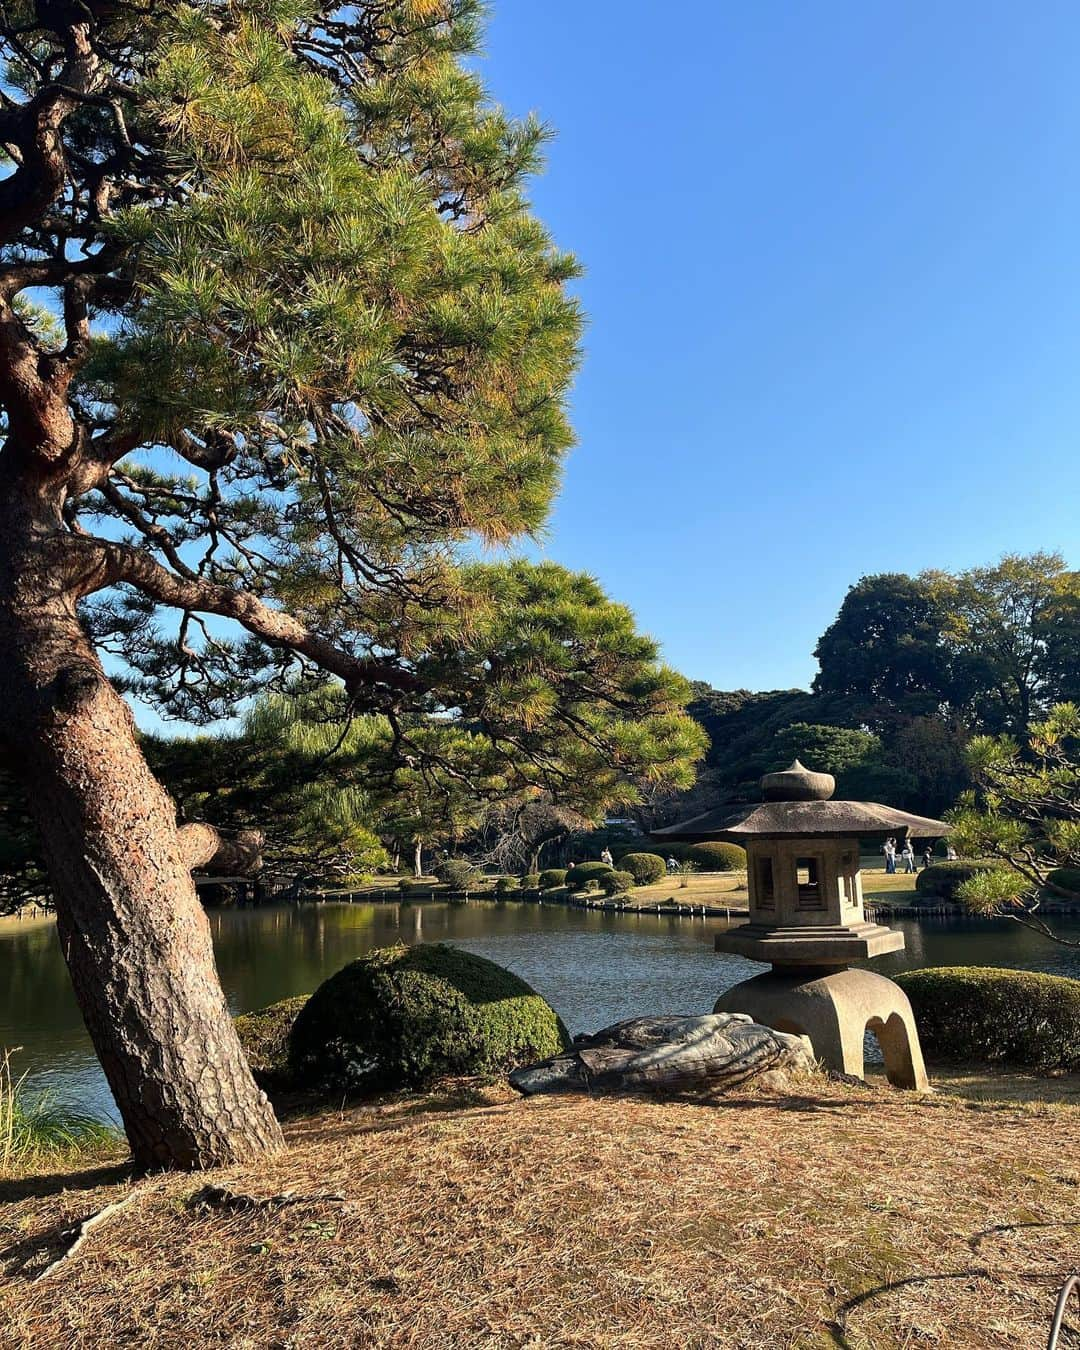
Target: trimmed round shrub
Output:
[(551, 878), (579, 877), (676, 851), (530, 881), (940, 880), (507, 886), (1069, 877), (402, 1016), (977, 1014), (264, 1037), (617, 883), (645, 868), (457, 873), (715, 856), (407, 884)]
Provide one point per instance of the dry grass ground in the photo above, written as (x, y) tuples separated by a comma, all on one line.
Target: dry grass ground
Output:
[(849, 1216)]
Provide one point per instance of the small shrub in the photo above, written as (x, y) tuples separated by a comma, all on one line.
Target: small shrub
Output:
[(581, 876), (645, 868), (676, 851), (530, 881), (457, 874), (940, 880), (976, 1014), (551, 878), (1069, 877), (617, 883), (407, 884), (507, 886), (404, 1015), (264, 1036), (716, 856)]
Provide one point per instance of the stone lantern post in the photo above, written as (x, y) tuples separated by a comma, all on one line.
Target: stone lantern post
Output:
[(807, 920)]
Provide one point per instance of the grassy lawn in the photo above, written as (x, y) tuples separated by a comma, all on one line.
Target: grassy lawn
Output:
[(848, 1216)]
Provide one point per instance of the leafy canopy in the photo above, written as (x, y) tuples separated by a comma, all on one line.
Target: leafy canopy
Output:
[(316, 354)]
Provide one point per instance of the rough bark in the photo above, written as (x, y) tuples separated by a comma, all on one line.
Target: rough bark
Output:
[(203, 848), (135, 938)]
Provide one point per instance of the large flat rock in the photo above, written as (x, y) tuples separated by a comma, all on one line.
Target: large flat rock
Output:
[(671, 1055)]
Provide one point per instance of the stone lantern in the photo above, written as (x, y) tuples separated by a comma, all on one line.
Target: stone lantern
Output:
[(807, 920)]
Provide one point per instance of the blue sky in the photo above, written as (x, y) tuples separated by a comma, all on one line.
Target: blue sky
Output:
[(832, 261)]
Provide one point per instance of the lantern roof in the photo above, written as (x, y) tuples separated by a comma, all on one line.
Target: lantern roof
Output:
[(798, 804)]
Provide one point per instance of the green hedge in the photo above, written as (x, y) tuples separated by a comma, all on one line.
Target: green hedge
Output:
[(507, 886), (645, 868), (940, 880), (976, 1014), (551, 878), (404, 1015), (530, 881), (580, 876), (662, 851), (264, 1035), (1069, 877), (715, 856), (458, 874), (617, 883)]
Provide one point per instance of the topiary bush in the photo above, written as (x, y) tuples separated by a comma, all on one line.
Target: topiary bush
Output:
[(530, 881), (617, 883), (973, 1014), (715, 856), (1069, 877), (551, 878), (676, 851), (402, 1016), (507, 886), (407, 884), (264, 1036), (580, 876), (458, 874), (645, 868), (940, 880)]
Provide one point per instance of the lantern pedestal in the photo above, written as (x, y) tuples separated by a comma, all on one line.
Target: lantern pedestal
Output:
[(834, 1008), (807, 919)]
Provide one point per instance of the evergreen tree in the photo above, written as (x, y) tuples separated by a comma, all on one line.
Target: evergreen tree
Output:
[(306, 348), (884, 651), (1025, 814)]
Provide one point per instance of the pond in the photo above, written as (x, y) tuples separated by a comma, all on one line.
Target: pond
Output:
[(594, 967)]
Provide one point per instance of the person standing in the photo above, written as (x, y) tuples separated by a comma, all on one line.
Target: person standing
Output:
[(890, 855), (605, 856), (928, 857), (908, 855)]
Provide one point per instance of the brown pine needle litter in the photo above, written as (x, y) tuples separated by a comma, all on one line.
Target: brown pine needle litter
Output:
[(847, 1216)]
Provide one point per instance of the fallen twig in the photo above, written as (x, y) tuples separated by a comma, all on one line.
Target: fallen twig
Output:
[(83, 1231), (220, 1197)]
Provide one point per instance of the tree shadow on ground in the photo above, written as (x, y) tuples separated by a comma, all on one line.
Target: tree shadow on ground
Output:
[(43, 1185)]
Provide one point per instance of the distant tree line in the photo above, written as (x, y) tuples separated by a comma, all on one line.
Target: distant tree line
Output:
[(911, 668)]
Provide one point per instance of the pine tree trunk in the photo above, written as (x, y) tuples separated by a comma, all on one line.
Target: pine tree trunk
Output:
[(135, 938), (418, 858)]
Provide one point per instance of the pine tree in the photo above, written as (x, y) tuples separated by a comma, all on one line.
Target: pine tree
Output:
[(281, 346)]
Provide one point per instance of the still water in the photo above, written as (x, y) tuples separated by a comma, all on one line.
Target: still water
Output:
[(594, 967)]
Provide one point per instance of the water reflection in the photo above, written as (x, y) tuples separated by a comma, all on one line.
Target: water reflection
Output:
[(594, 967)]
